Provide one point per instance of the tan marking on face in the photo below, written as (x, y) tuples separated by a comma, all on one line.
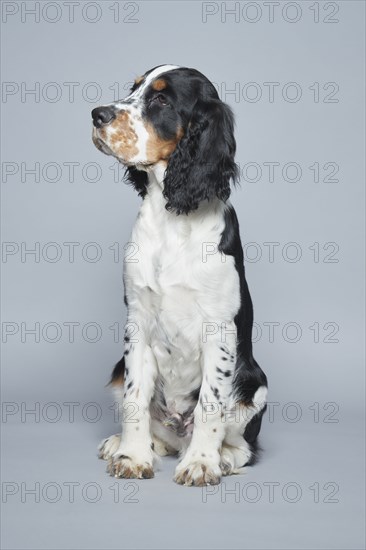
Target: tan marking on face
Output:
[(159, 85), (123, 140), (138, 80), (158, 149)]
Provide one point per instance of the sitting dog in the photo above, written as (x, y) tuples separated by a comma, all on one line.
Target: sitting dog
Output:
[(188, 381)]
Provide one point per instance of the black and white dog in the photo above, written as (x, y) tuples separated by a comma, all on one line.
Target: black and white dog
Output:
[(188, 372)]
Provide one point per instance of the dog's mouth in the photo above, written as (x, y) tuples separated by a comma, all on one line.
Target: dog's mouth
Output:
[(103, 147), (100, 145)]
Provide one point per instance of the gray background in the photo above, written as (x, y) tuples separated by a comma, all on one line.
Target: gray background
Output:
[(313, 436)]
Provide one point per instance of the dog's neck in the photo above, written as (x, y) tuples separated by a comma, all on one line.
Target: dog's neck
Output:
[(156, 174), (155, 201)]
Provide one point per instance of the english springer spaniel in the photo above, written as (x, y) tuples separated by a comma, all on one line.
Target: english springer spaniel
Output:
[(188, 381)]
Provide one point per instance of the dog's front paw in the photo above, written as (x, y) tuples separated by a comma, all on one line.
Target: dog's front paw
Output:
[(198, 473), (233, 459), (108, 447), (124, 466)]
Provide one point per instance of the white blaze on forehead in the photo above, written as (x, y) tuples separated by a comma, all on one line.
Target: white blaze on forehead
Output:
[(137, 94)]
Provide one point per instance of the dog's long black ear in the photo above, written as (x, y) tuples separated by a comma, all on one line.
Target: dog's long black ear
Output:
[(202, 164), (137, 178)]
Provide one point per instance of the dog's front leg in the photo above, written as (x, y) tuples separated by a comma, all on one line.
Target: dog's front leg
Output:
[(134, 457), (201, 463)]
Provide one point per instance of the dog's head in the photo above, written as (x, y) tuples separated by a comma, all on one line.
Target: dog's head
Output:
[(173, 115)]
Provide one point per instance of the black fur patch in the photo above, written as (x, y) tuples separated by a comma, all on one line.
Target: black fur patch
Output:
[(202, 165), (138, 179), (248, 374)]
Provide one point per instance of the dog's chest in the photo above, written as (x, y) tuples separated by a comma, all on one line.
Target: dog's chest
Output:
[(167, 282), (176, 282)]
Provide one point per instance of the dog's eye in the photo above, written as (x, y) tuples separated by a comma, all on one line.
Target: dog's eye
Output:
[(160, 99)]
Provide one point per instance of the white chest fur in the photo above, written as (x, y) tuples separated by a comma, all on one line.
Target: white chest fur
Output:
[(179, 283)]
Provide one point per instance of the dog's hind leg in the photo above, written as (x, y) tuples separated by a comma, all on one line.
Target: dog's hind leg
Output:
[(242, 429)]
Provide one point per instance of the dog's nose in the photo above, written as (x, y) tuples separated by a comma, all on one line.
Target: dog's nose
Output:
[(102, 116)]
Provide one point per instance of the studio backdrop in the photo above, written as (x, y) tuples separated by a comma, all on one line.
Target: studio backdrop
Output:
[(293, 74)]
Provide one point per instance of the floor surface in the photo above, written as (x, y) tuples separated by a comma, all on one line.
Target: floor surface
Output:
[(305, 493)]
